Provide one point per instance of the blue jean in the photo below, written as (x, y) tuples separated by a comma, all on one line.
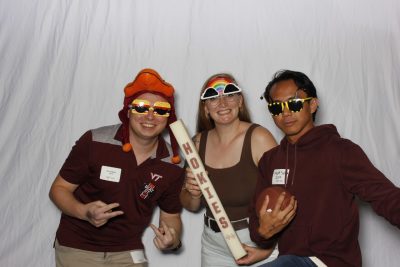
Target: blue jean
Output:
[(290, 261)]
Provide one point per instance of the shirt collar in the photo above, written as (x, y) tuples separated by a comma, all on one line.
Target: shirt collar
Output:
[(161, 151)]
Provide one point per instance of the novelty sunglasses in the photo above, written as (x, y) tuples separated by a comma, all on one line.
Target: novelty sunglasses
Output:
[(294, 105), (159, 108), (228, 89)]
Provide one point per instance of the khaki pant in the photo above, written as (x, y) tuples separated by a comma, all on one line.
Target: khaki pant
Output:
[(71, 257)]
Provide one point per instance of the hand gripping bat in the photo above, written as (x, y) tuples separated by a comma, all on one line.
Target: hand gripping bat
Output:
[(189, 149)]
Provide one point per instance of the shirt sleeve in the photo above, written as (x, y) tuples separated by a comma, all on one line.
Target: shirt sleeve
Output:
[(262, 182), (170, 201), (76, 167), (361, 178)]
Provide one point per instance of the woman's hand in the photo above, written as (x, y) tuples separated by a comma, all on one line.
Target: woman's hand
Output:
[(191, 185), (254, 254)]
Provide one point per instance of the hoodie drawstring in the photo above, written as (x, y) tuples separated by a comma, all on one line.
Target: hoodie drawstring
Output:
[(287, 164), (295, 163)]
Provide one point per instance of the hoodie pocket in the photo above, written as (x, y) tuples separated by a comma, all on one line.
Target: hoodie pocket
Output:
[(295, 240)]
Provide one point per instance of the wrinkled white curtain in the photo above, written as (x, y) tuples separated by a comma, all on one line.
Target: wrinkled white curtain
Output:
[(63, 66)]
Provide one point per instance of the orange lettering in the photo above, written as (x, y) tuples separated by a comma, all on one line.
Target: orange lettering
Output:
[(207, 189), (223, 222), (194, 162), (201, 178), (187, 148), (216, 207)]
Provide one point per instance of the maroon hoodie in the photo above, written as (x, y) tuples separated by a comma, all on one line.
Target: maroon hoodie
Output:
[(326, 174)]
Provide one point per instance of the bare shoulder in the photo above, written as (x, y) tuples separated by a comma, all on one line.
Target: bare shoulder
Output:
[(261, 141), (262, 136)]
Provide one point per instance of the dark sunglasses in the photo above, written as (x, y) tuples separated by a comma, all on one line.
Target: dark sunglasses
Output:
[(294, 105), (211, 92)]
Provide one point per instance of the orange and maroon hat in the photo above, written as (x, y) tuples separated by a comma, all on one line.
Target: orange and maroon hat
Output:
[(148, 81)]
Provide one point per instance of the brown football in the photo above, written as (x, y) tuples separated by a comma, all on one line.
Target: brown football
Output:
[(273, 192)]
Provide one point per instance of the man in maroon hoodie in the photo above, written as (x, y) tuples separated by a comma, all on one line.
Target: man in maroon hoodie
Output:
[(324, 172)]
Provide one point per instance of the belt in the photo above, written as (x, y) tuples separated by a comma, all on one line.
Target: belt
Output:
[(237, 225)]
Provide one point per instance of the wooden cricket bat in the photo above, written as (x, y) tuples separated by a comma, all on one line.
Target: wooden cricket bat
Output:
[(189, 149)]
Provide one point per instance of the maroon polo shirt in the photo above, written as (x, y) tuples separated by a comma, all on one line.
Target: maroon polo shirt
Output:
[(138, 190)]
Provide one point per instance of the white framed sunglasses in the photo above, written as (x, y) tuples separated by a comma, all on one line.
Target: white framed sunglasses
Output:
[(228, 89)]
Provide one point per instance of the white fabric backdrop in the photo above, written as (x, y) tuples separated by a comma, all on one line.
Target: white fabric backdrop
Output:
[(63, 65)]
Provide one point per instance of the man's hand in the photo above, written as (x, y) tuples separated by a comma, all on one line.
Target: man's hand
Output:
[(273, 222), (166, 237), (98, 212)]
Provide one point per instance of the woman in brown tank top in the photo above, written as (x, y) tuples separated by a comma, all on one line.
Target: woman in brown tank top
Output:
[(230, 147)]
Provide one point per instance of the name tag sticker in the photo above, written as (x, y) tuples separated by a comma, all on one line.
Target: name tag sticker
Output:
[(138, 256), (110, 174), (279, 176)]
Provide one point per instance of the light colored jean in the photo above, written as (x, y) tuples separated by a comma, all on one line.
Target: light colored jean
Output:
[(215, 252)]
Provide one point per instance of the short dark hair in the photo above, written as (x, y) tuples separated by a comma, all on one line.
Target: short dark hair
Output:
[(300, 79)]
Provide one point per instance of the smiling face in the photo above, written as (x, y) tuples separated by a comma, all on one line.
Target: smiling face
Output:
[(224, 109), (293, 124), (147, 126)]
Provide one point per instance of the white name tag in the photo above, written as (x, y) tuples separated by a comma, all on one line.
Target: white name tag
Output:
[(279, 176), (138, 256), (110, 174)]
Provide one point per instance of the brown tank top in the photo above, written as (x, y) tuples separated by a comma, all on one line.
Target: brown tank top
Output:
[(234, 185)]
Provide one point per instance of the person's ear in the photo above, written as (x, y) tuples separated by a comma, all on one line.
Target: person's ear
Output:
[(314, 103), (241, 101), (206, 111)]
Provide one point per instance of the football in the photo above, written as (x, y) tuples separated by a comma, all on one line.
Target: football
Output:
[(273, 192)]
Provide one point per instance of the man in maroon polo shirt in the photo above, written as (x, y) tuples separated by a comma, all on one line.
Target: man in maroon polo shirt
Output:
[(113, 179)]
